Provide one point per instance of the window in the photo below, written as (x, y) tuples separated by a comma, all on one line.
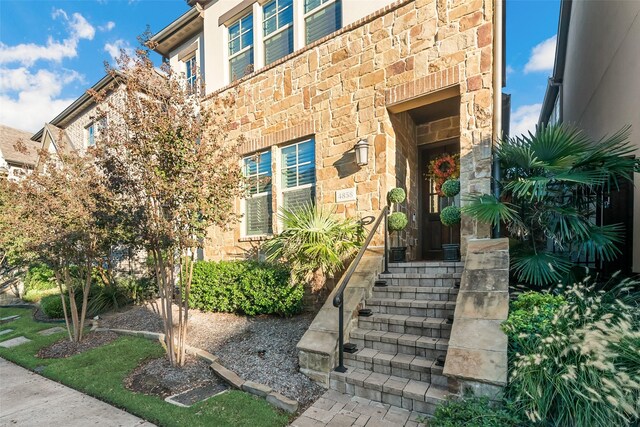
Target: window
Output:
[(191, 73), (241, 47), (298, 174), (257, 204), (278, 29), (322, 17), (90, 132)]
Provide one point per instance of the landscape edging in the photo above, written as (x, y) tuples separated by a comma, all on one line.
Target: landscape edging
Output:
[(230, 377)]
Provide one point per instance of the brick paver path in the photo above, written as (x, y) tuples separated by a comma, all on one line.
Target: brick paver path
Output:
[(335, 409)]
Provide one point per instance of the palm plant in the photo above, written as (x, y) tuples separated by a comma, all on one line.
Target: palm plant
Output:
[(550, 186), (314, 243)]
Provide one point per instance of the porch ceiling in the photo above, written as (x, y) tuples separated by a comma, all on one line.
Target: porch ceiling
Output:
[(436, 111)]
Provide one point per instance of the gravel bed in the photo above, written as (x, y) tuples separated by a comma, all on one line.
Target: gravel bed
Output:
[(260, 349), (66, 348)]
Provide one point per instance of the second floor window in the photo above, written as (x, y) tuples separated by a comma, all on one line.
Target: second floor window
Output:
[(278, 29), (257, 204), (191, 73), (241, 47), (90, 132), (322, 17)]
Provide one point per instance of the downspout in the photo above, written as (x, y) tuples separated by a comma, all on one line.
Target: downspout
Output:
[(498, 22)]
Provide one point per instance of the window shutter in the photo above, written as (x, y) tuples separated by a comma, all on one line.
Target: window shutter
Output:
[(323, 22), (278, 46), (298, 198), (258, 215), (241, 65)]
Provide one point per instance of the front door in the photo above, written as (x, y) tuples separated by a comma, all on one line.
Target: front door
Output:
[(432, 233)]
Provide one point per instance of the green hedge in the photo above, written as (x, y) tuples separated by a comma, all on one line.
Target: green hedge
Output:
[(52, 306), (39, 277), (246, 287)]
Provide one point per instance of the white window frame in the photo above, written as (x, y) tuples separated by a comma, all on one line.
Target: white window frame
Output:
[(313, 12), (240, 34), (266, 37), (191, 66), (280, 169), (243, 205)]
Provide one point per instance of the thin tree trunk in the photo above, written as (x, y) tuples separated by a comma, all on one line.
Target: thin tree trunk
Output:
[(64, 304), (85, 297)]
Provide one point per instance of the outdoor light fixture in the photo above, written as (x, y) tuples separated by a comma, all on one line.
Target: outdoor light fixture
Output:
[(362, 152)]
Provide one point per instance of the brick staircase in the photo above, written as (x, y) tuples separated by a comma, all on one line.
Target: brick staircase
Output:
[(402, 343)]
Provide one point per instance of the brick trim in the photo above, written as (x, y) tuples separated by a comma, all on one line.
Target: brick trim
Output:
[(360, 22), (289, 134), (430, 83)]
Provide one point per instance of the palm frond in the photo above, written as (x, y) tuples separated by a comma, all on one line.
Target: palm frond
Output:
[(539, 268), (487, 209), (602, 241)]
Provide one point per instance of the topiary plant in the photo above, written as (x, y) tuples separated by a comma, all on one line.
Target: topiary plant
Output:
[(397, 221), (396, 195), (451, 187), (450, 215)]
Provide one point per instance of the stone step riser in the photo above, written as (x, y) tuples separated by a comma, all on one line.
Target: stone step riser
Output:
[(434, 282), (426, 270), (428, 375), (412, 311), (430, 330), (390, 292), (428, 353)]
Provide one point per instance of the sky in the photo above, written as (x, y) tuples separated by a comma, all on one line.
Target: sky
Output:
[(51, 51)]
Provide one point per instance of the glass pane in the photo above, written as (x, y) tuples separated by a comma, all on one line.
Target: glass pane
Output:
[(278, 46), (234, 30), (289, 156), (241, 65), (306, 152), (247, 39), (270, 25), (323, 22), (290, 177), (265, 163), (306, 174), (285, 17), (270, 9), (258, 215), (247, 23), (234, 46), (298, 198), (309, 5)]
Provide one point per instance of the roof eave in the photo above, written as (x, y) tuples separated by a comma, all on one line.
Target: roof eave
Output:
[(168, 31)]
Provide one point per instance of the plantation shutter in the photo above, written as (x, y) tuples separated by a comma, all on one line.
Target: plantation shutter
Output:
[(241, 65), (258, 214), (258, 208), (324, 21), (278, 46), (299, 198), (298, 174)]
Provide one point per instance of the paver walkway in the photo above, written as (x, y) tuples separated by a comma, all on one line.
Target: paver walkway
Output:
[(335, 409), (28, 399)]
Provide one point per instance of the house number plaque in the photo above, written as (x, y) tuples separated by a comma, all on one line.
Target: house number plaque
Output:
[(346, 195)]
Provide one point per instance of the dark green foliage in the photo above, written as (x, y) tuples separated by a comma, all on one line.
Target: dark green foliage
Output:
[(471, 411), (397, 221), (550, 184), (39, 277), (451, 187), (396, 195), (246, 287), (105, 298), (51, 305), (450, 215)]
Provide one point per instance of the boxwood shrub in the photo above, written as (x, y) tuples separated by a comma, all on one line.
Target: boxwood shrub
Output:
[(245, 287), (51, 305)]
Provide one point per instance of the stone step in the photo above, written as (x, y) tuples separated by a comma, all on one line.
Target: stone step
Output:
[(411, 307), (399, 323), (409, 394), (436, 293), (411, 264), (421, 279), (400, 365), (426, 269), (395, 343)]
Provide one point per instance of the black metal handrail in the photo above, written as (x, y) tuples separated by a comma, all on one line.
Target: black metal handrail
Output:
[(338, 299)]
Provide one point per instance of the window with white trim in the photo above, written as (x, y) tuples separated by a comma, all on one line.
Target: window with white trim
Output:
[(241, 47), (321, 18), (191, 72), (90, 134), (257, 203), (298, 174), (278, 29)]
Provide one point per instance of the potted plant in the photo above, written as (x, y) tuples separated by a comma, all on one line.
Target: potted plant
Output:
[(450, 216), (397, 222)]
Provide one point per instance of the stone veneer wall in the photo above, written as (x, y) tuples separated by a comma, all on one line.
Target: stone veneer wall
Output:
[(338, 89)]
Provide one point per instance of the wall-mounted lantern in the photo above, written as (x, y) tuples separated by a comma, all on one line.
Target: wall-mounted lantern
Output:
[(362, 152)]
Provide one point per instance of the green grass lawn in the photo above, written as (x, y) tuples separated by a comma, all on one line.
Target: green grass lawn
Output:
[(99, 373)]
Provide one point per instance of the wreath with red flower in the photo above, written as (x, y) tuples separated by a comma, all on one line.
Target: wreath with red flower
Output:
[(444, 167)]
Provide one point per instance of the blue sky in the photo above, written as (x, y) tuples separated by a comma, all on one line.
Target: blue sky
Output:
[(51, 51)]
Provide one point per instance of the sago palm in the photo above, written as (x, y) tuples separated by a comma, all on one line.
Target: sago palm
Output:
[(314, 243), (549, 189)]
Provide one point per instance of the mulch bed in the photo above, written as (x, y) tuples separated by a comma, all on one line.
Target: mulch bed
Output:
[(66, 348), (158, 378)]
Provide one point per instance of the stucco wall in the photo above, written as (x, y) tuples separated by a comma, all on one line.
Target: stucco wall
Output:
[(601, 84), (339, 88)]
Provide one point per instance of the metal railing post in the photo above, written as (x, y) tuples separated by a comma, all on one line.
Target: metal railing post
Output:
[(386, 241), (341, 367)]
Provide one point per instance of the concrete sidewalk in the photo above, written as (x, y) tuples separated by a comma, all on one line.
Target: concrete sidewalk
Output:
[(28, 399)]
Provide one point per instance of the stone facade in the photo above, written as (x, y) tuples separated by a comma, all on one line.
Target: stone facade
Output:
[(340, 90)]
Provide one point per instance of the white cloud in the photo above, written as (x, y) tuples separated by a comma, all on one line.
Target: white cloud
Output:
[(510, 70), (525, 119), (542, 56), (113, 49), (107, 27), (29, 53), (37, 100)]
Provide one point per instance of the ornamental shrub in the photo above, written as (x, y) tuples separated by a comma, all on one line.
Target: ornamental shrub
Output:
[(397, 221), (450, 187), (51, 305), (471, 411), (450, 215), (39, 277), (245, 287), (396, 195)]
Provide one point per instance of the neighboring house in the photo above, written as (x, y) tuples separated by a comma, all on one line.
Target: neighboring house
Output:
[(311, 78), (16, 162), (595, 86)]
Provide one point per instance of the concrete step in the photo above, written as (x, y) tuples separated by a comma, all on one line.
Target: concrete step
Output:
[(400, 365), (426, 267), (399, 323), (411, 307), (400, 343), (409, 394), (436, 293), (421, 279)]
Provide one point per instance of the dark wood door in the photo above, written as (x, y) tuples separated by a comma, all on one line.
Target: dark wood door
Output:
[(432, 233), (616, 207)]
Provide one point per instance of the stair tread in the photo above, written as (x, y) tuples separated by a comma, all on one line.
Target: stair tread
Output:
[(403, 319), (416, 303), (430, 275), (403, 339), (413, 389), (396, 360), (419, 289)]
